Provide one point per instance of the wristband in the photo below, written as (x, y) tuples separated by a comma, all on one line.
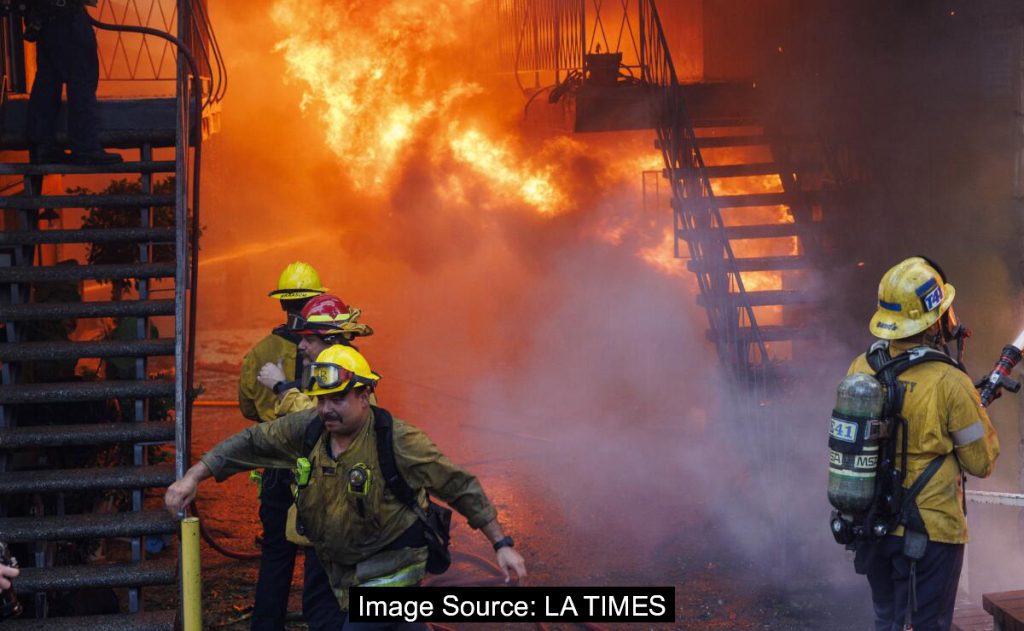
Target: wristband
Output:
[(504, 542), (280, 387)]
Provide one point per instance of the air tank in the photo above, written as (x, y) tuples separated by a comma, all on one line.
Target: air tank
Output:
[(854, 433)]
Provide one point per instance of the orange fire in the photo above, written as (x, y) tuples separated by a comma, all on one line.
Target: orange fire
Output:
[(383, 78)]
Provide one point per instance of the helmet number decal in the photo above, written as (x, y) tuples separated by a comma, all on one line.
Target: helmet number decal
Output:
[(931, 295)]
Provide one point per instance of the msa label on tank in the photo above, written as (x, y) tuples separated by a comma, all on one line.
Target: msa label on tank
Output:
[(835, 458), (843, 430), (865, 462)]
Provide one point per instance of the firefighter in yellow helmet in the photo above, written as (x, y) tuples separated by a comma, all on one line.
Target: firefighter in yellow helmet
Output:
[(364, 535), (297, 284), (947, 433)]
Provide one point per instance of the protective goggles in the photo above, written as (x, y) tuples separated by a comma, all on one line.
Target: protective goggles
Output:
[(328, 376), (301, 326)]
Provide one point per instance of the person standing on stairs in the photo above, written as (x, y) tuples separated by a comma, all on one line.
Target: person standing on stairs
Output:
[(66, 55)]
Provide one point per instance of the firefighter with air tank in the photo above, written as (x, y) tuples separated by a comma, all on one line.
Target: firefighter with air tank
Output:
[(908, 424)]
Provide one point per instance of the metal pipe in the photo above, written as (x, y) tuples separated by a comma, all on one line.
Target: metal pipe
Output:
[(991, 497), (191, 580)]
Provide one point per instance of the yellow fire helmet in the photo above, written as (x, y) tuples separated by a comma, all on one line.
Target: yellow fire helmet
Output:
[(337, 368), (298, 280), (911, 297)]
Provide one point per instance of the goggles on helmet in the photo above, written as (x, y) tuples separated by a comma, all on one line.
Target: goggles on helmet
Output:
[(327, 376), (301, 326)]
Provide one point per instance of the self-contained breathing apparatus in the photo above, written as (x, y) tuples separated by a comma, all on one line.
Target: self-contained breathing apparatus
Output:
[(866, 470)]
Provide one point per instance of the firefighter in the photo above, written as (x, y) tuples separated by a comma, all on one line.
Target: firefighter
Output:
[(324, 321), (297, 284), (363, 535), (944, 416)]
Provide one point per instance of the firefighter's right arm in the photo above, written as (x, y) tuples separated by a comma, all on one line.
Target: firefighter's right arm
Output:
[(974, 438)]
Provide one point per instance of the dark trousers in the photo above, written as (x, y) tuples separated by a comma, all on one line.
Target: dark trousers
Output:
[(277, 556), (319, 604), (938, 574), (277, 563), (66, 55)]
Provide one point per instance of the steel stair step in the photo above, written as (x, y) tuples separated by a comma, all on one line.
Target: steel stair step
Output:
[(69, 577), (756, 231), (84, 391), (29, 202), (710, 142), (51, 273), (752, 264), (97, 479), (92, 434), (802, 198), (143, 621), (87, 526), (46, 351), (94, 235), (746, 170), (761, 299), (99, 309), (741, 170), (26, 168)]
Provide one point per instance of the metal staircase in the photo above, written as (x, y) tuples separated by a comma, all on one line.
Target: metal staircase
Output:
[(751, 248), (57, 426)]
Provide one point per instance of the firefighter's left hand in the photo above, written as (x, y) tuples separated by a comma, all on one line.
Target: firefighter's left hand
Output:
[(271, 373), (509, 559)]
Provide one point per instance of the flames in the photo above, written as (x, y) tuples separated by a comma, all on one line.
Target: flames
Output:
[(390, 82), (394, 83)]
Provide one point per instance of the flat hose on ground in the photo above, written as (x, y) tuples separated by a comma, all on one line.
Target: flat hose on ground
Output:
[(208, 538)]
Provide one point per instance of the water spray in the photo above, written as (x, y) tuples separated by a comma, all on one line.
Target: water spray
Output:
[(999, 379)]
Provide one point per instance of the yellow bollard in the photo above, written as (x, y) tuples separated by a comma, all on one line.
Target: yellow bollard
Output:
[(191, 581)]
